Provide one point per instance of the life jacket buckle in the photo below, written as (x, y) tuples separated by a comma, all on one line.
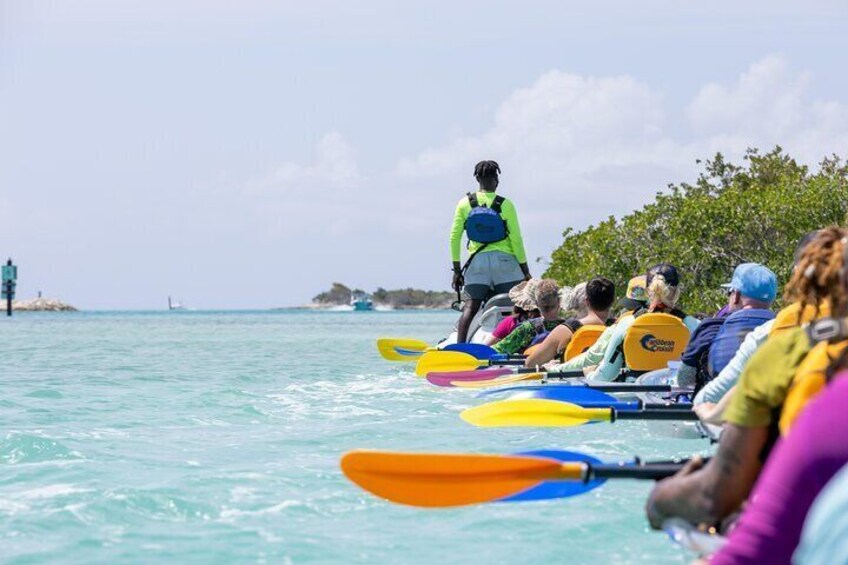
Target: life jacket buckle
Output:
[(825, 330)]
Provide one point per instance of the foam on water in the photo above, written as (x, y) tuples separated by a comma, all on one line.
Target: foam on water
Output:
[(199, 437)]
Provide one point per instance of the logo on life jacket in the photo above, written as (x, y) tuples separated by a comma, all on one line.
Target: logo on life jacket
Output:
[(654, 344)]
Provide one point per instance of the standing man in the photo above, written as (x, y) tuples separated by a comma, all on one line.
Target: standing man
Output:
[(497, 260)]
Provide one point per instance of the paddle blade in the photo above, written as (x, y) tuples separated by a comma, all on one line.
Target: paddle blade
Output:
[(447, 379), (533, 412), (498, 382), (447, 361), (442, 480), (582, 396), (401, 349), (558, 489), (477, 350)]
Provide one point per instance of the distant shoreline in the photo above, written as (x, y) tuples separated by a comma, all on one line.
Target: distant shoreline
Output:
[(377, 308)]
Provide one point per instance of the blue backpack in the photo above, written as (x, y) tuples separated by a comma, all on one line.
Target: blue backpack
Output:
[(485, 225)]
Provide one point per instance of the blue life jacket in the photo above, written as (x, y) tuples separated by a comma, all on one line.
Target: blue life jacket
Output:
[(732, 333), (484, 224), (701, 341)]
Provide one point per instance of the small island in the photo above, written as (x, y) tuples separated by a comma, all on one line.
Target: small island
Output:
[(41, 305), (400, 299)]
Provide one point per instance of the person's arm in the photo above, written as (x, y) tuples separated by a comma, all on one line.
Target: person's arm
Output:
[(710, 493), (610, 366), (457, 229), (548, 349), (510, 216), (588, 358), (710, 413)]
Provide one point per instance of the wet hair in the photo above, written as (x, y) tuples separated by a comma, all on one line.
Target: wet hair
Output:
[(819, 274), (663, 283), (546, 295), (573, 300), (600, 294)]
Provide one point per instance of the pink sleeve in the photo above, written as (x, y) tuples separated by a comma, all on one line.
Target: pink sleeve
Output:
[(505, 327)]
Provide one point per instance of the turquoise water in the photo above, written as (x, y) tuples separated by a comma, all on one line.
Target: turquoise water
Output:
[(215, 437)]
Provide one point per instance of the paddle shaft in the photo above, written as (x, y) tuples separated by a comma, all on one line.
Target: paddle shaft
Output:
[(666, 407), (653, 414), (649, 471)]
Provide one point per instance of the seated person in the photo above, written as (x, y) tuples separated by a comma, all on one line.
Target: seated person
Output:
[(663, 282), (707, 399), (572, 301), (801, 465), (709, 493), (635, 299), (523, 310), (750, 294), (600, 295), (545, 294)]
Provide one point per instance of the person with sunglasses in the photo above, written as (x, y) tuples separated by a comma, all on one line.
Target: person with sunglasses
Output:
[(750, 294)]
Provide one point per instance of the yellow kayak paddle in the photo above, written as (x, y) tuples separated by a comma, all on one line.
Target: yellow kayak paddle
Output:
[(401, 349), (555, 413)]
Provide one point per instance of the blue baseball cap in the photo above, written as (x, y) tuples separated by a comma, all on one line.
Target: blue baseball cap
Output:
[(754, 281)]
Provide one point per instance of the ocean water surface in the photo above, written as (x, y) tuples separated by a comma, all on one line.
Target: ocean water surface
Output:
[(214, 437)]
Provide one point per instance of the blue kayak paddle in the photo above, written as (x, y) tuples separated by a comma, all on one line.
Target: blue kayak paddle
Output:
[(483, 352), (585, 397)]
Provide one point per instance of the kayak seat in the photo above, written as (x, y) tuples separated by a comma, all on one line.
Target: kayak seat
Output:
[(584, 338), (652, 341)]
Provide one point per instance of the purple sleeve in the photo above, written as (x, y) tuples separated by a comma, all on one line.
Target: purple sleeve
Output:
[(799, 467), (505, 327)]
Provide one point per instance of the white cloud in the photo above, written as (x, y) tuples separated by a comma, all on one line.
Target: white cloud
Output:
[(334, 168), (575, 149), (562, 121), (768, 105)]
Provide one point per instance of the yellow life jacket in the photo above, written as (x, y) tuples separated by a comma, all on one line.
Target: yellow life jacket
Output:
[(789, 318), (653, 340), (584, 338), (811, 377)]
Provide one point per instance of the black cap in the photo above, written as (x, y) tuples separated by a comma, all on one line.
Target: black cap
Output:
[(668, 272)]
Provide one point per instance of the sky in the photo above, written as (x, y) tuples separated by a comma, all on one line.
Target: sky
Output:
[(247, 154)]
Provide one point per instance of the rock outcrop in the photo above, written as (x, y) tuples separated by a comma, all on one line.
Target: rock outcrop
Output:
[(41, 305)]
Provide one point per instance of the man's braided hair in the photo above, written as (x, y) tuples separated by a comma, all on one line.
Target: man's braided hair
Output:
[(485, 170)]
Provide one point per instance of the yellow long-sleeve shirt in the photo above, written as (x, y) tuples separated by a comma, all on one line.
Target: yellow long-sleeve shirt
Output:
[(513, 244)]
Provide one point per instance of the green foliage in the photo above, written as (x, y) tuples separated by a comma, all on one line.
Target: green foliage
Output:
[(404, 298), (413, 298), (339, 294), (732, 214)]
